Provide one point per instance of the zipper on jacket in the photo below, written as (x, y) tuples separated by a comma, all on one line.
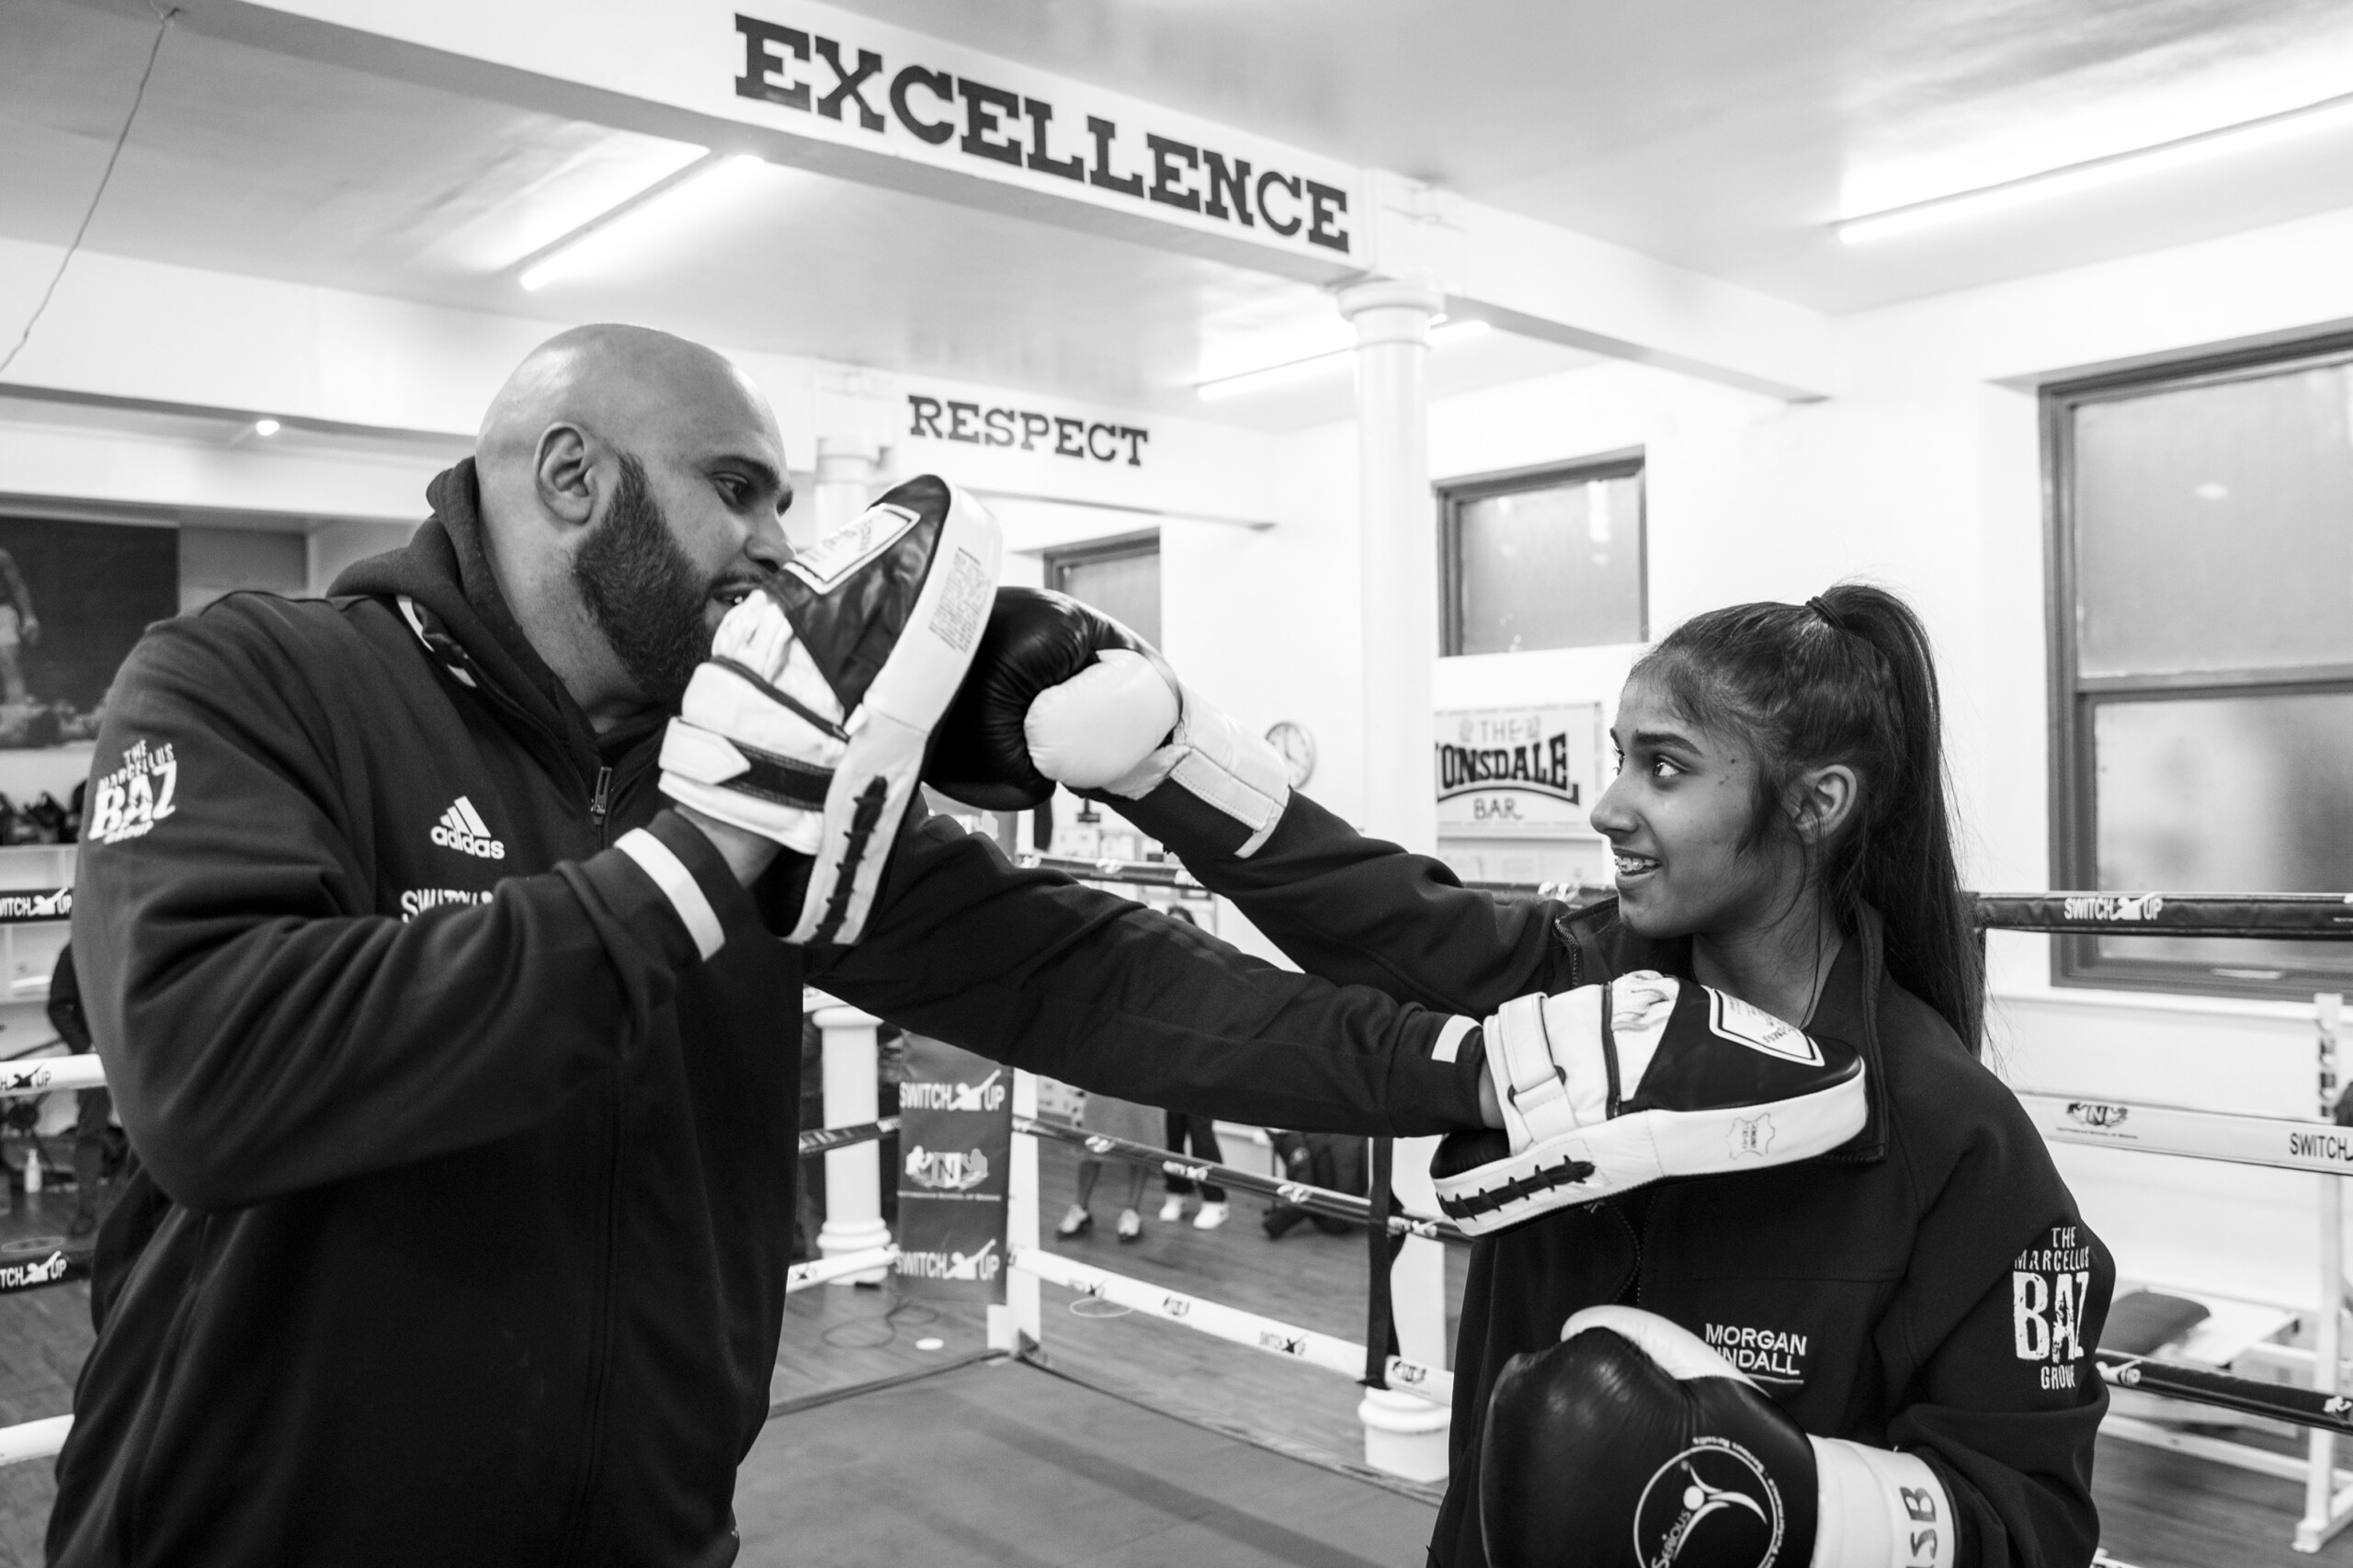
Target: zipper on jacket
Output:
[(601, 800), (1633, 1238)]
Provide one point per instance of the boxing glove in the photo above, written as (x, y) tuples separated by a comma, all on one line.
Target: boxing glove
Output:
[(809, 721), (1610, 1087), (1062, 694), (1630, 1443)]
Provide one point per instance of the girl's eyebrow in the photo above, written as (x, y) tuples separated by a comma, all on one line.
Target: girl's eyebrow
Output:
[(1664, 738)]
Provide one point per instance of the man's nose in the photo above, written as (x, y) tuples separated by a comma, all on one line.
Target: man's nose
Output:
[(766, 545)]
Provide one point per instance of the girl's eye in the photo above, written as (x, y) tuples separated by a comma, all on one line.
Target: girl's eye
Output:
[(1661, 767)]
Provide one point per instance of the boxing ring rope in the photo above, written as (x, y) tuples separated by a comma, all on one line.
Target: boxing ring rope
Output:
[(1314, 1199), (23, 906), (1230, 1323)]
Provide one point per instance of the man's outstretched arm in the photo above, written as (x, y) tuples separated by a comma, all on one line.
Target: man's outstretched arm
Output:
[(1031, 968)]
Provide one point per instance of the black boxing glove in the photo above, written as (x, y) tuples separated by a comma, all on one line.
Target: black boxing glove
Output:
[(1630, 1443), (1062, 694)]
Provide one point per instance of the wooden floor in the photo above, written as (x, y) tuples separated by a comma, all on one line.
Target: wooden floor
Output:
[(2159, 1510)]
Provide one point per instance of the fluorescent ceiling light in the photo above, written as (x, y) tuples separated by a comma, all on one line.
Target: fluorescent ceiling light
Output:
[(1315, 364), (537, 271), (266, 427), (2326, 115)]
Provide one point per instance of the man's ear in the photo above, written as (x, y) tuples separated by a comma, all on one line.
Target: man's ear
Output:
[(564, 473), (1821, 801)]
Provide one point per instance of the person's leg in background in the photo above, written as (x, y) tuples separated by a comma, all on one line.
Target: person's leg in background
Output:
[(1078, 1222), (1172, 1208), (1293, 1154), (1202, 1133), (1343, 1163), (1131, 1221)]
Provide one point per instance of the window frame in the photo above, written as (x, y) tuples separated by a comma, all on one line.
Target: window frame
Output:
[(2075, 960), (1455, 494)]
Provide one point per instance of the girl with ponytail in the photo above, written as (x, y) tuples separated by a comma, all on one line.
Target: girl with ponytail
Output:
[(1828, 713), (1925, 1301)]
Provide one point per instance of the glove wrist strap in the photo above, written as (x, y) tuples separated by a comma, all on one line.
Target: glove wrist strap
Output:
[(1217, 761), (1880, 1508)]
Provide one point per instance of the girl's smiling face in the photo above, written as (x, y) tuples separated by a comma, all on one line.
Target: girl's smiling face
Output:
[(1675, 817)]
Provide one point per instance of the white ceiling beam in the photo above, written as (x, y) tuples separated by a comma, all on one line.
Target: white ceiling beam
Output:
[(812, 86)]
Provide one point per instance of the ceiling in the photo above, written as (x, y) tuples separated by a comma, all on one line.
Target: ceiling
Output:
[(1717, 134)]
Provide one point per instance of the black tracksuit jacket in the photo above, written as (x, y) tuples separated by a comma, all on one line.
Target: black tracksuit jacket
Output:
[(468, 1186), (1929, 1286)]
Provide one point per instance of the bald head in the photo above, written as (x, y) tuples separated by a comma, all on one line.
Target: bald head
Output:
[(632, 482), (631, 386)]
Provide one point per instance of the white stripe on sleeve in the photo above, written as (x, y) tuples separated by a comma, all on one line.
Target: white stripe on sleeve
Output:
[(658, 861), (1450, 1037)]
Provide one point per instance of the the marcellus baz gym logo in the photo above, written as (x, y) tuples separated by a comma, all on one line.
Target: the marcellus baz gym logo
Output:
[(2049, 1284), (1714, 1491), (130, 802)]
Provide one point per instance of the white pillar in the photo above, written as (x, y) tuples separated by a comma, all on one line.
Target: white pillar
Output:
[(1020, 1317), (853, 1176), (1398, 538), (845, 485)]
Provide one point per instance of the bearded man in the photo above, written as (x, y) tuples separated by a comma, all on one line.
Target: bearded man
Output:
[(461, 1064)]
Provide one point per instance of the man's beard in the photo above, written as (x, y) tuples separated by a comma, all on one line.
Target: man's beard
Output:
[(643, 593)]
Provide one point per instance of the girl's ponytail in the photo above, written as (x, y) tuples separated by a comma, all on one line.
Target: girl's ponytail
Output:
[(1903, 861)]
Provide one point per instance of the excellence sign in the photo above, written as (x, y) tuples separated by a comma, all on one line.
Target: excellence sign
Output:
[(1518, 771)]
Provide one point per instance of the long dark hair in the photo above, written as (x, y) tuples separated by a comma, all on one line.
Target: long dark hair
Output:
[(1847, 677)]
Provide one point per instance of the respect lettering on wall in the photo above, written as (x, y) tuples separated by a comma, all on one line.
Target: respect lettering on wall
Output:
[(800, 70), (945, 419)]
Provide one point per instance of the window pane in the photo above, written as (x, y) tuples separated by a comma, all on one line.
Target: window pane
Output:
[(2233, 794), (1125, 587), (1560, 567), (2214, 526)]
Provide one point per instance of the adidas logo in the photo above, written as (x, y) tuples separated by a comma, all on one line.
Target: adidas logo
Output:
[(462, 829)]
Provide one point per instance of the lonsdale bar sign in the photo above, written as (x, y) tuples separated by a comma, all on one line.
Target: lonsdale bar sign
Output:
[(848, 79), (1510, 771)]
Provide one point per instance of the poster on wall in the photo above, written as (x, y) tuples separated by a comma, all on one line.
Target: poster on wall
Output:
[(955, 1156), (1518, 771), (74, 598)]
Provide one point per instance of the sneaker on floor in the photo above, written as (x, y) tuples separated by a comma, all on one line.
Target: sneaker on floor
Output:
[(1212, 1216), (1130, 1225), (1077, 1223), (1172, 1209)]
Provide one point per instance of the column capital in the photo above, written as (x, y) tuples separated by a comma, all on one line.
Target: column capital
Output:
[(1390, 294)]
